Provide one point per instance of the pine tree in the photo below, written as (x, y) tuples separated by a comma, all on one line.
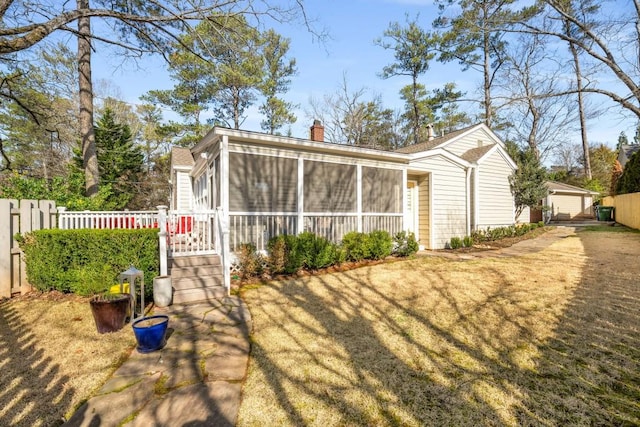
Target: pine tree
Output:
[(120, 161)]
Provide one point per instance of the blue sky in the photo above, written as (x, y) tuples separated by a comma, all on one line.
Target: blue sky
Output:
[(352, 26)]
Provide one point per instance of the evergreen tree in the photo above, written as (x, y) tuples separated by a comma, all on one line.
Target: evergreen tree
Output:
[(629, 182), (413, 50), (120, 161), (277, 78)]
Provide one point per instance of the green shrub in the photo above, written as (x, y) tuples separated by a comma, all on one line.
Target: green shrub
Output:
[(467, 242), (380, 244), (405, 244), (357, 246), (284, 254), (540, 223), (88, 261), (249, 260), (455, 243), (316, 251), (479, 236), (522, 229)]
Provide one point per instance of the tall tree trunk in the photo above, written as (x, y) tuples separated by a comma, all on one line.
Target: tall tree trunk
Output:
[(89, 155), (416, 111), (583, 121), (487, 83), (486, 47)]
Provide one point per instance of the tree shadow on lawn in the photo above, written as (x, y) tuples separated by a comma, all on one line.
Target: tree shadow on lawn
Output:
[(395, 364), (588, 373), (363, 351), (25, 371)]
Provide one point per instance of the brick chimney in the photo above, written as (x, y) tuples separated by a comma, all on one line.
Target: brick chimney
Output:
[(317, 131)]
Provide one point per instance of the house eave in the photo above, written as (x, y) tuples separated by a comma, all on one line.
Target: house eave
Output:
[(441, 152), (297, 144)]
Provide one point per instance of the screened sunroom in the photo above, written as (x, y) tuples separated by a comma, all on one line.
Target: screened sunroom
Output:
[(268, 185)]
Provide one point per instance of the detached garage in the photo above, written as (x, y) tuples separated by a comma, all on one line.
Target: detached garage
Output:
[(567, 202)]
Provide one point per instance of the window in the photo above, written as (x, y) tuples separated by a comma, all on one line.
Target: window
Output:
[(329, 187), (201, 192), (262, 183), (381, 190)]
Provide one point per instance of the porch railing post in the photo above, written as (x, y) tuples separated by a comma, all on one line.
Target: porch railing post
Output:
[(223, 243), (162, 235)]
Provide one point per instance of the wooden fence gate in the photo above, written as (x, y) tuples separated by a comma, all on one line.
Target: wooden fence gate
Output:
[(20, 217)]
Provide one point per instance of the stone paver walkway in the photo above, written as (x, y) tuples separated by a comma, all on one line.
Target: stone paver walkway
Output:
[(195, 380)]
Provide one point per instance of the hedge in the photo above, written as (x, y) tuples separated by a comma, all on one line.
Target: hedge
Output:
[(87, 261)]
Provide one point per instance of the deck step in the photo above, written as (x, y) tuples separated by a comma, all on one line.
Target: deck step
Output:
[(195, 271), (201, 282), (194, 261), (196, 278), (197, 295)]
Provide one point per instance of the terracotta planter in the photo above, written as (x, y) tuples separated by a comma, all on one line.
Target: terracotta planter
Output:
[(110, 312), (150, 332)]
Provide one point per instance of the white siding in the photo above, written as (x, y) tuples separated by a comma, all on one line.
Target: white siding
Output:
[(478, 138), (495, 201), (184, 196), (448, 198), (525, 216)]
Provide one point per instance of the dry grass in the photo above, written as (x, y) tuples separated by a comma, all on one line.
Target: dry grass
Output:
[(544, 339), (52, 358)]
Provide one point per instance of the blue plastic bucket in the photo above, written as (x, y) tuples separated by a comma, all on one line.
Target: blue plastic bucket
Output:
[(150, 332)]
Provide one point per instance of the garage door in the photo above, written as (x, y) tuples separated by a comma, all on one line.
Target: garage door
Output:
[(565, 207)]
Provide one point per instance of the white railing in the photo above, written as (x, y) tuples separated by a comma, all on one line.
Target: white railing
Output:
[(107, 219), (221, 233), (331, 226), (191, 233), (258, 228), (186, 232), (393, 223)]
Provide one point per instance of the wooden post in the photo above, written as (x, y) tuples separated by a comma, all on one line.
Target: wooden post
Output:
[(162, 235), (26, 226), (48, 208), (6, 246), (300, 205)]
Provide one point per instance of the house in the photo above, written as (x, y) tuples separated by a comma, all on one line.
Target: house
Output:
[(265, 185), (567, 202), (626, 151)]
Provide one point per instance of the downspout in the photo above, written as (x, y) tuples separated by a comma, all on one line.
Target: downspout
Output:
[(468, 191), (476, 198)]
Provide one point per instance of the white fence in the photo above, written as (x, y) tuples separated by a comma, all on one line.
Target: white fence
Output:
[(187, 232), (109, 220)]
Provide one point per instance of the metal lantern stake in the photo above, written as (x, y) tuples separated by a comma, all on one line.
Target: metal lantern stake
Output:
[(130, 276)]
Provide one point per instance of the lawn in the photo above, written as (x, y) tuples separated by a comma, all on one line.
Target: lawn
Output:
[(550, 338), (52, 358)]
